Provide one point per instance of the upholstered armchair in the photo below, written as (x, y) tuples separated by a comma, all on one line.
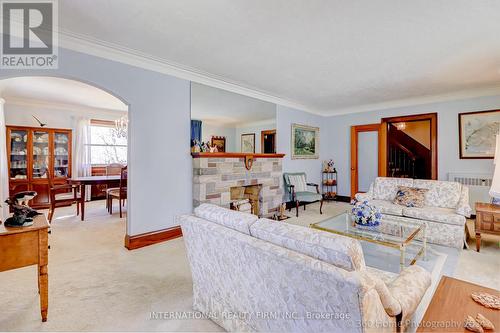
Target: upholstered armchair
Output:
[(298, 191)]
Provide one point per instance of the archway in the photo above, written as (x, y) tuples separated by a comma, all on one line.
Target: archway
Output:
[(52, 107)]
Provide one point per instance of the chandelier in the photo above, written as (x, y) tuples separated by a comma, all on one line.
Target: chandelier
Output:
[(401, 126), (121, 126)]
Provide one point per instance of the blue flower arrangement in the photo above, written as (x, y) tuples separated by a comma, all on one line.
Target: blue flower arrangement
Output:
[(365, 215)]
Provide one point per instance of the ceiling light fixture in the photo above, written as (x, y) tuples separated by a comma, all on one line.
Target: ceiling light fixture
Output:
[(121, 126), (401, 126)]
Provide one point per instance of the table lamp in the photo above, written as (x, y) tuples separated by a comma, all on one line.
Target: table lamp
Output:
[(495, 184)]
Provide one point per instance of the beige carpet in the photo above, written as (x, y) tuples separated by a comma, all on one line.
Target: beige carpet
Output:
[(95, 284)]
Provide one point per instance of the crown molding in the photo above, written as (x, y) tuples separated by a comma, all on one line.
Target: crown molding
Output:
[(59, 106), (421, 100), (88, 45), (264, 122)]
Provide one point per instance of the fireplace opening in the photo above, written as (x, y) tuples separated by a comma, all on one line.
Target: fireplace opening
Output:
[(246, 198)]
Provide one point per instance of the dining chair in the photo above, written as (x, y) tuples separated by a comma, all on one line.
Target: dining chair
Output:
[(112, 169), (119, 193), (62, 195)]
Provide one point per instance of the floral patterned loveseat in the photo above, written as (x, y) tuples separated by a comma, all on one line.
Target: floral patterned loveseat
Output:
[(253, 274), (445, 211)]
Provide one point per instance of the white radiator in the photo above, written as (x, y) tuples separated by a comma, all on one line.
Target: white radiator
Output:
[(478, 183)]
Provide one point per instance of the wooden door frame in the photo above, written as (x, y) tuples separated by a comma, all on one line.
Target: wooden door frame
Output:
[(355, 130), (264, 133), (434, 139)]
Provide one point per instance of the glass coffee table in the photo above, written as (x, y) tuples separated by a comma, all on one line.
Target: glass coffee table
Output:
[(391, 233)]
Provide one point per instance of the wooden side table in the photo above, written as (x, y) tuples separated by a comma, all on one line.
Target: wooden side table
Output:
[(451, 304), (487, 221), (26, 246)]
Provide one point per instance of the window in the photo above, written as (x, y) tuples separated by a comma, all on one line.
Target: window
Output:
[(107, 144)]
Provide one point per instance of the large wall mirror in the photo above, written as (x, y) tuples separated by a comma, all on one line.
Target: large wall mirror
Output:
[(223, 121)]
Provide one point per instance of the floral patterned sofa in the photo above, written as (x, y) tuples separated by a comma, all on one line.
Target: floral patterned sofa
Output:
[(253, 274), (445, 210)]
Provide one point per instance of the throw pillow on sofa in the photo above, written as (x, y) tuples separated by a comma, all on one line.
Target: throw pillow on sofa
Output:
[(410, 196)]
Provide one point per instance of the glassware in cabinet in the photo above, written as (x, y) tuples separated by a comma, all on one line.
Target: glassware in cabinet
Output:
[(18, 154), (41, 153), (61, 154)]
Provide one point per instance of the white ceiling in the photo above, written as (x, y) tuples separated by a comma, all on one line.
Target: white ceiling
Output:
[(328, 55), (217, 106), (58, 91)]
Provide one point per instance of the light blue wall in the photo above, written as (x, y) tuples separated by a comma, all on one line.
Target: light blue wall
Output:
[(160, 164), (448, 144), (285, 117), (209, 130)]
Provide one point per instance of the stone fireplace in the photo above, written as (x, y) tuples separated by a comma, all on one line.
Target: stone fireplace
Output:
[(222, 178)]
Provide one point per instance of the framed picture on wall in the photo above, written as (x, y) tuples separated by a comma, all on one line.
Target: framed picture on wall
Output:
[(477, 132), (220, 142), (248, 143), (305, 142)]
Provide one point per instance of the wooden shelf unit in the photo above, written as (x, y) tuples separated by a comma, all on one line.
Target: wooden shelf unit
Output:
[(34, 154), (329, 185)]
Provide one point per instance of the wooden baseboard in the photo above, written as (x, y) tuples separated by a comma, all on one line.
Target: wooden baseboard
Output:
[(150, 238), (342, 198)]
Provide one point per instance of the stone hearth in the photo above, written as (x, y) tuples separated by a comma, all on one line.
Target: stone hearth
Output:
[(249, 192), (213, 178)]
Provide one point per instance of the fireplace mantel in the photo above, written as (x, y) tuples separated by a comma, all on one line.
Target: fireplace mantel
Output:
[(235, 155)]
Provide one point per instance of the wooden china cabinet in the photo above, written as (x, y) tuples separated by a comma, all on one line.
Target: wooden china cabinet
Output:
[(34, 154)]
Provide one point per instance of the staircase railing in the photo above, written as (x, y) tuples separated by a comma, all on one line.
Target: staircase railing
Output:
[(401, 162), (407, 158)]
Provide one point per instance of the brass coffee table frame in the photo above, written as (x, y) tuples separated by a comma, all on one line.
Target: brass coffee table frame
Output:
[(401, 246)]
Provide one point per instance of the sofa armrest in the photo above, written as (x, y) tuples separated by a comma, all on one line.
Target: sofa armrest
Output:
[(463, 207), (362, 197), (390, 304), (409, 288), (365, 196)]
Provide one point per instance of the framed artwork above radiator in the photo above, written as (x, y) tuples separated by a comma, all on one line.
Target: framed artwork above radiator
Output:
[(477, 131)]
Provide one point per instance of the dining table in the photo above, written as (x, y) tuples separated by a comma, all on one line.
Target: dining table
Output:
[(110, 181)]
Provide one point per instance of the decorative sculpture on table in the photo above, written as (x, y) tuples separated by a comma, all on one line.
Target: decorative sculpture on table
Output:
[(213, 148), (328, 166), (23, 214), (282, 211)]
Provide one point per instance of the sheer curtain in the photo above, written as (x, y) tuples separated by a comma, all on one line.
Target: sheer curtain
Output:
[(4, 171), (82, 163)]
